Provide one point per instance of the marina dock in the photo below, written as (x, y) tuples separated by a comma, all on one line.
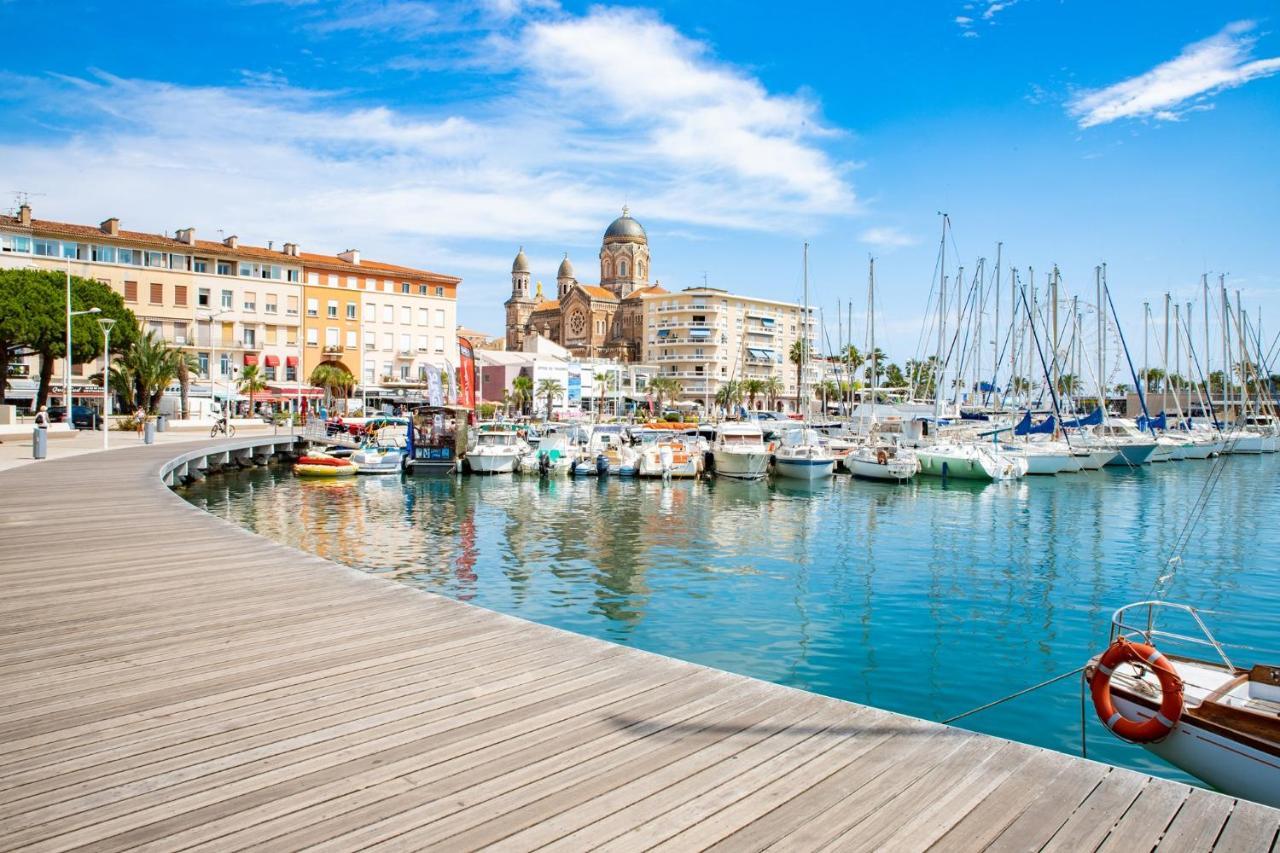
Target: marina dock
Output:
[(175, 682)]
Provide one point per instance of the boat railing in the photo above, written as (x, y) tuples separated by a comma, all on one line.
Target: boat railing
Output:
[(1123, 625)]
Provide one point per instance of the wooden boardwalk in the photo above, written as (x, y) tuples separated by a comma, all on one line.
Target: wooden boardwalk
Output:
[(172, 682)]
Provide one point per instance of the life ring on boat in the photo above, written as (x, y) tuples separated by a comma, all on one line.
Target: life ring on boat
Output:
[(1148, 731)]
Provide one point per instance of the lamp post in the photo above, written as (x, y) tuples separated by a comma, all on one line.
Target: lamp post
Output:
[(66, 372), (106, 323), (213, 352)]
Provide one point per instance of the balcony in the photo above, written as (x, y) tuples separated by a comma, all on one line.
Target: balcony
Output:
[(333, 352), (404, 353), (687, 324), (709, 309)]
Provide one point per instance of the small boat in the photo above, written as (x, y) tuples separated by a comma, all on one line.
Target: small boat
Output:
[(550, 458), (434, 435), (802, 456), (964, 461), (383, 449), (319, 464), (882, 462), (739, 451), (608, 451), (666, 453), (1215, 720), (1043, 457), (496, 452)]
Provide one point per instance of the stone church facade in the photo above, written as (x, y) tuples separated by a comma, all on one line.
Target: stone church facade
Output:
[(592, 321)]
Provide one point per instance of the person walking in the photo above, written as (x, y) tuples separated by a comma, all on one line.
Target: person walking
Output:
[(140, 418), (42, 418)]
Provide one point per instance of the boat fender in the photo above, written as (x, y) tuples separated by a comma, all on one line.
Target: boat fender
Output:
[(1160, 725)]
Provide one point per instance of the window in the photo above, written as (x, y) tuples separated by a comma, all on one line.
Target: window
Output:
[(333, 308), (227, 297), (290, 373), (351, 281), (404, 287), (388, 313), (270, 372), (313, 307), (292, 306), (351, 339), (179, 294), (351, 310), (224, 364), (104, 254), (440, 317), (405, 343), (224, 267), (245, 270), (368, 375), (157, 293), (333, 280), (370, 341), (370, 312), (622, 268), (386, 368), (312, 337), (422, 289), (200, 266), (250, 337), (178, 262), (422, 316), (331, 336), (404, 373), (439, 344), (202, 359), (313, 278), (294, 275), (388, 341), (271, 335), (155, 327), (156, 259), (14, 243), (132, 257), (270, 304), (250, 301), (439, 291), (47, 248), (180, 332), (422, 343), (406, 315), (369, 284)]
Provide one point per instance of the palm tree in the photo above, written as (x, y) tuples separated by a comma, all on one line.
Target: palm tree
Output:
[(604, 382), (751, 389), (893, 376), (854, 359), (729, 395), (551, 389), (827, 389), (151, 365), (333, 378), (187, 365), (798, 355), (772, 388), (664, 388), (1067, 384), (252, 381), (876, 357), (522, 392), (1153, 377)]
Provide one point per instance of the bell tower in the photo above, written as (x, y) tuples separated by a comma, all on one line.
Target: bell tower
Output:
[(521, 303)]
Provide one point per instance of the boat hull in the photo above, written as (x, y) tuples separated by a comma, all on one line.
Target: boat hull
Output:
[(751, 465), (303, 470), (1133, 454), (804, 469), (893, 471), (492, 463)]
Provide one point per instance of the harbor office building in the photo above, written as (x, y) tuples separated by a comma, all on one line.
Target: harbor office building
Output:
[(229, 304), (702, 336)]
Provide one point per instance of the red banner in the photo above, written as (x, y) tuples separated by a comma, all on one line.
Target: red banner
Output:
[(466, 374)]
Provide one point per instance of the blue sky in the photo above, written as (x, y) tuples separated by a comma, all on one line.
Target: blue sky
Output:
[(446, 135)]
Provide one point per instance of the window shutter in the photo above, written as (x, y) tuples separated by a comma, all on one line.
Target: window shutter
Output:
[(130, 291), (179, 294), (157, 293)]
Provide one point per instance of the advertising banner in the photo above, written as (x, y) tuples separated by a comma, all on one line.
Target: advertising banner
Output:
[(466, 374)]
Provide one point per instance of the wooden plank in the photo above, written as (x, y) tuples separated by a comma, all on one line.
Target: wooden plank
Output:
[(1198, 823), (1099, 813), (1251, 827), (1144, 824), (1032, 829)]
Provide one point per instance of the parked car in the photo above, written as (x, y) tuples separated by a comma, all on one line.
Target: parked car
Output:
[(82, 417)]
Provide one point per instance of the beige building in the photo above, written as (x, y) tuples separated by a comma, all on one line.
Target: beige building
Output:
[(705, 337)]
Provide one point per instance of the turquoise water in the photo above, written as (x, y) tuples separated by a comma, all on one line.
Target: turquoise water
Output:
[(924, 599)]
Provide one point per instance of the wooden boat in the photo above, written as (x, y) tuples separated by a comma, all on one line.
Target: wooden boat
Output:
[(1215, 720), (323, 465)]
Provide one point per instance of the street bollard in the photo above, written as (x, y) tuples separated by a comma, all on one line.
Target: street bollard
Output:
[(39, 443), (149, 433)]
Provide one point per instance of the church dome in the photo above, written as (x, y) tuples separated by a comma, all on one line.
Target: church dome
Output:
[(566, 268), (624, 229), (521, 263)]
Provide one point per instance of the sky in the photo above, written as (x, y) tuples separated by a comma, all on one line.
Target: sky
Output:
[(446, 135)]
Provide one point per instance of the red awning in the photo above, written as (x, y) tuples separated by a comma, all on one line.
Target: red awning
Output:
[(250, 359), (271, 360), (291, 361)]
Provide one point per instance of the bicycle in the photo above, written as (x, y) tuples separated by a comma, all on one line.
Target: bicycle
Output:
[(222, 427)]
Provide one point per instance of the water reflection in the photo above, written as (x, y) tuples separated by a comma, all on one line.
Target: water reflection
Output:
[(926, 598)]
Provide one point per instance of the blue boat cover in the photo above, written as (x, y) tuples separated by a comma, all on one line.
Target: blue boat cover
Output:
[(1158, 422), (1092, 419), (1024, 426)]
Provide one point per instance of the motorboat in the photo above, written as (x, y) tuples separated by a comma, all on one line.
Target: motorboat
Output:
[(608, 451), (802, 456), (1215, 720), (969, 461), (739, 451), (496, 452), (435, 434), (550, 458), (669, 453), (884, 461), (384, 448), (320, 464)]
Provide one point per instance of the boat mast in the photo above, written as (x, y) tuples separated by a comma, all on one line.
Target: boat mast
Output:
[(1031, 330), (1102, 320), (804, 338), (1057, 372), (995, 327), (939, 368), (871, 331), (1208, 349), (1146, 333), (1226, 346), (1164, 388), (1177, 361)]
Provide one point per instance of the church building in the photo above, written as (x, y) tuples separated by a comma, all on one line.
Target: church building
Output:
[(591, 321)]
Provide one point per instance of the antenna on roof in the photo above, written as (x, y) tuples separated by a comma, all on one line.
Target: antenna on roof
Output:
[(21, 198)]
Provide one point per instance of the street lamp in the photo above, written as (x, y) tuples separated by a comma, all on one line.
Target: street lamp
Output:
[(66, 373), (213, 354), (106, 323)]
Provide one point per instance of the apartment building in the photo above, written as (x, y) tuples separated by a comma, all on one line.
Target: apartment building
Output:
[(705, 336), (385, 324), (234, 305)]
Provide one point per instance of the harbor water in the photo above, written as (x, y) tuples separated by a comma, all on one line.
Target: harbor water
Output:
[(927, 599)]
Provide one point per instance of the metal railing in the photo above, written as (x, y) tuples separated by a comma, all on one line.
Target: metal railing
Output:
[(1148, 632)]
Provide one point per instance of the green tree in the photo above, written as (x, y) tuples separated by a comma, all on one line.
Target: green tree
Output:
[(550, 389), (33, 306), (522, 392), (827, 389), (752, 389), (1153, 379), (604, 382), (334, 379), (1067, 384), (187, 365), (729, 395), (894, 377), (799, 354), (252, 382), (152, 365), (877, 358), (851, 357), (664, 388), (772, 388)]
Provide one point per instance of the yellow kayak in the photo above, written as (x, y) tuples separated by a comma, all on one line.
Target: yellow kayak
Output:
[(303, 470)]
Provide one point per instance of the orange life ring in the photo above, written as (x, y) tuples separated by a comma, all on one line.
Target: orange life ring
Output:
[(1148, 731)]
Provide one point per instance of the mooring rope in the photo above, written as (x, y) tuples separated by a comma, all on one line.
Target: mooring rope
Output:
[(1004, 699)]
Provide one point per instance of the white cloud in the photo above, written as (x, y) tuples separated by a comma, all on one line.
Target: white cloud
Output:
[(996, 8), (594, 117), (1181, 85), (887, 237), (964, 20)]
